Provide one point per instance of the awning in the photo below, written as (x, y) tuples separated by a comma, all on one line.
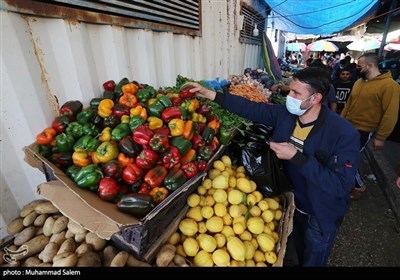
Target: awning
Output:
[(319, 17)]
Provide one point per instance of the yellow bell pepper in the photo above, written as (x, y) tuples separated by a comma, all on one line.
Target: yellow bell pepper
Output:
[(105, 108), (139, 111), (150, 101), (192, 105), (125, 119), (154, 122), (81, 158), (129, 88), (105, 134), (176, 127)]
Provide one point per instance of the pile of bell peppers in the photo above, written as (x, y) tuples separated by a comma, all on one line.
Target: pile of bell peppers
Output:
[(133, 140)]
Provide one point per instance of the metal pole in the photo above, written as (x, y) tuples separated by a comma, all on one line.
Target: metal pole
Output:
[(386, 29)]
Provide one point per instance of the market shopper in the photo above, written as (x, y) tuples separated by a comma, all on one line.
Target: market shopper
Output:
[(320, 150), (343, 88), (372, 108)]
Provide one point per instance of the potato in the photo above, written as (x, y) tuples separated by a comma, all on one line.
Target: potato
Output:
[(69, 234), (39, 230), (133, 262), (46, 207), (15, 226), (45, 265), (120, 259), (165, 255), (28, 220), (97, 243), (108, 255), (2, 258), (80, 237), (67, 246), (83, 248), (58, 238), (34, 246), (75, 228), (49, 252), (25, 235), (68, 261), (48, 226), (180, 261), (89, 259), (59, 225), (32, 261), (39, 221), (30, 207)]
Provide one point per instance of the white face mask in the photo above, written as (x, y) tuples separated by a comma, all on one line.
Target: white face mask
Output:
[(293, 105)]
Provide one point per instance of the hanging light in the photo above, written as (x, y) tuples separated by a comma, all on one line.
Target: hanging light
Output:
[(255, 31)]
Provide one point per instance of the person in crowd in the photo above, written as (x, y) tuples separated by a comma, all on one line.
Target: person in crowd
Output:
[(343, 63), (320, 151), (372, 108), (343, 88)]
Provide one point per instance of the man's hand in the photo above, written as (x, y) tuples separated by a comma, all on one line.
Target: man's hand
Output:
[(283, 150), (201, 91), (378, 144)]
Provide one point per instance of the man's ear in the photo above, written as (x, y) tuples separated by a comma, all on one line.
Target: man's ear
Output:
[(318, 97)]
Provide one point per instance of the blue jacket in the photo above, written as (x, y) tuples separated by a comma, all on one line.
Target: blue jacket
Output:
[(324, 174)]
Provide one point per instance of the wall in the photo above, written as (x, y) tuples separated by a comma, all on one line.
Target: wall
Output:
[(46, 62)]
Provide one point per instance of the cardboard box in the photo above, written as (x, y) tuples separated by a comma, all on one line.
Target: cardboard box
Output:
[(137, 236)]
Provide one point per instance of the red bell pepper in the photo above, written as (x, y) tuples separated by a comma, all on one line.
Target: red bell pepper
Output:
[(190, 169), (60, 123), (147, 158), (159, 143), (142, 135), (162, 130), (109, 85), (132, 173), (155, 176), (176, 101), (171, 158), (112, 169), (201, 164), (185, 93), (197, 141), (71, 109), (144, 188), (119, 110), (171, 113), (108, 189), (214, 145), (204, 109)]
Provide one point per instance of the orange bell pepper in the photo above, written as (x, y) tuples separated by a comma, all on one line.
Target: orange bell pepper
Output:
[(81, 158), (190, 156), (214, 124), (158, 194), (188, 130), (128, 99), (130, 88), (124, 160), (46, 136)]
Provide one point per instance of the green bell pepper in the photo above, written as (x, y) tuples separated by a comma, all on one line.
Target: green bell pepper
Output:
[(143, 95), (94, 103), (85, 116), (205, 152), (88, 177), (184, 113), (72, 171), (155, 109), (118, 87), (74, 129), (135, 122), (106, 152), (208, 134), (90, 129), (64, 142), (164, 100), (175, 178), (87, 143), (182, 144), (120, 131), (109, 95), (45, 150), (225, 135)]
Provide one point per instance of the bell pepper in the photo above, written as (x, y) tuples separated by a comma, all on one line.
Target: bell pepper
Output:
[(85, 116), (201, 164), (129, 88), (214, 145), (129, 147), (171, 158), (136, 204), (139, 110), (197, 141), (199, 127), (46, 136), (190, 169), (144, 188), (71, 109), (184, 113), (62, 159), (176, 101), (208, 134), (155, 123), (94, 158), (98, 121), (109, 85), (192, 105), (163, 130), (106, 152), (125, 119), (60, 123), (120, 109), (171, 113), (143, 95), (158, 194), (225, 135), (111, 121), (120, 131), (155, 109), (155, 176), (147, 158), (109, 95), (188, 130), (159, 142), (151, 101), (190, 156), (135, 122), (205, 152), (74, 129), (105, 134), (64, 142), (152, 91), (176, 127), (71, 171), (90, 129), (112, 169), (128, 99), (132, 173), (81, 158), (108, 189), (124, 160), (118, 87), (45, 150), (204, 110), (175, 179), (185, 92), (214, 124), (164, 100), (94, 103), (87, 143), (88, 177), (105, 108), (142, 135), (135, 187), (182, 144)]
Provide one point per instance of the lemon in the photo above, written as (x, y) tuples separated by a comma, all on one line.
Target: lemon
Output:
[(206, 242), (188, 227), (235, 211), (255, 211), (219, 165), (193, 200), (215, 224), (209, 201), (207, 212), (221, 240), (190, 247), (203, 259), (258, 195), (220, 182), (195, 213), (246, 236), (220, 210), (267, 216), (259, 256), (255, 225), (226, 160), (235, 197), (221, 258), (207, 183), (174, 239), (227, 219), (270, 257), (238, 228), (220, 195)]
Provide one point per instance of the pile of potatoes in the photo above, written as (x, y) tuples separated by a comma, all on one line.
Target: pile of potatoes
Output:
[(44, 237)]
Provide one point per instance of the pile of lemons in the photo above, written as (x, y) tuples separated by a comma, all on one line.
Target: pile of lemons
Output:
[(229, 222)]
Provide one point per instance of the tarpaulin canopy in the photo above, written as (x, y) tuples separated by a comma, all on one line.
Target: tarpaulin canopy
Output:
[(320, 17)]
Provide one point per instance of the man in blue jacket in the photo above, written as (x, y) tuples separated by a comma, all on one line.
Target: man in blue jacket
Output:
[(320, 150)]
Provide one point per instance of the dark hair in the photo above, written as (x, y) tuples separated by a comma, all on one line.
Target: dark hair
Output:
[(371, 58), (317, 78)]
